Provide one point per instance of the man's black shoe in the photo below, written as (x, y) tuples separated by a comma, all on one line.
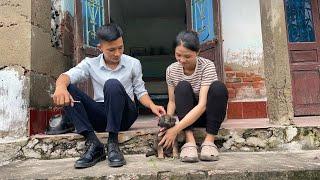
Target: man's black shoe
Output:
[(115, 156), (59, 124), (93, 154)]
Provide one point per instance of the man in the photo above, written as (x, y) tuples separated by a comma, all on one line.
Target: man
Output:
[(116, 78)]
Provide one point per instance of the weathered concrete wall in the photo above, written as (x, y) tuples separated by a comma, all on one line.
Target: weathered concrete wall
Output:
[(15, 32), (28, 63), (15, 41), (47, 62), (243, 55), (14, 92), (276, 59)]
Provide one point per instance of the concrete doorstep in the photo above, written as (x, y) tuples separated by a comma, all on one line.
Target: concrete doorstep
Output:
[(242, 135), (235, 165)]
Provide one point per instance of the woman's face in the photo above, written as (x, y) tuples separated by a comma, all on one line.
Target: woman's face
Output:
[(186, 57)]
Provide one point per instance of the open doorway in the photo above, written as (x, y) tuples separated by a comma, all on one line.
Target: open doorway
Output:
[(150, 27)]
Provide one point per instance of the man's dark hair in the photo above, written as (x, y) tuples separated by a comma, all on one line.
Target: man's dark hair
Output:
[(189, 40), (109, 32)]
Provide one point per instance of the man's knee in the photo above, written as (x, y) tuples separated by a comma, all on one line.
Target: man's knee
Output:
[(112, 86), (72, 89)]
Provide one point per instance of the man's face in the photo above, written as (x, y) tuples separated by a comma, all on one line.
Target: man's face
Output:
[(112, 50)]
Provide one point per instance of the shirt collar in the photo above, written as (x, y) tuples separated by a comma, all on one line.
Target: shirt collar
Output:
[(103, 64)]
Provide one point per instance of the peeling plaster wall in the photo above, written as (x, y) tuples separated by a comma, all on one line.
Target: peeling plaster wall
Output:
[(243, 50), (28, 63), (15, 41), (60, 11), (14, 94), (56, 19)]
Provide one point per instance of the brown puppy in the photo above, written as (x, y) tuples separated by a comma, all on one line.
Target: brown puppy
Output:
[(165, 122)]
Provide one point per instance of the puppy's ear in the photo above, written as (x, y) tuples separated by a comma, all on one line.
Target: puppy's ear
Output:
[(174, 119)]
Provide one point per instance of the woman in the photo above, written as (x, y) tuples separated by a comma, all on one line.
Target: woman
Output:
[(196, 96)]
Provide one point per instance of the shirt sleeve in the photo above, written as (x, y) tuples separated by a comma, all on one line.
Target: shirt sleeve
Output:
[(79, 73), (138, 84), (209, 74), (168, 77)]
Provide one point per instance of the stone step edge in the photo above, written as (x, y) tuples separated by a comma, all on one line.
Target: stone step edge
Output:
[(141, 141)]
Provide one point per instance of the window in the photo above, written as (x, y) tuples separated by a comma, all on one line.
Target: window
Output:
[(93, 18), (202, 19), (299, 21)]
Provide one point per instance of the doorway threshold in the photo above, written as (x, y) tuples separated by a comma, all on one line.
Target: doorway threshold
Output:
[(149, 121)]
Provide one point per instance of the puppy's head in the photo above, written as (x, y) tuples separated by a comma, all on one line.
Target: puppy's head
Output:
[(167, 121)]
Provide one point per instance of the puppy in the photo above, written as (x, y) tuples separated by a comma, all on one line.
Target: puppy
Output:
[(165, 122)]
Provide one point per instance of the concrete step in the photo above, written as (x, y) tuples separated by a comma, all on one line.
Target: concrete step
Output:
[(235, 135), (232, 166)]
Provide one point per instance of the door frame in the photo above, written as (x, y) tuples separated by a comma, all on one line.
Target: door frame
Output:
[(304, 109), (80, 51), (217, 42)]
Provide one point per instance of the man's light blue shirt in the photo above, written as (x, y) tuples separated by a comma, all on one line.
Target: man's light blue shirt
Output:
[(128, 72)]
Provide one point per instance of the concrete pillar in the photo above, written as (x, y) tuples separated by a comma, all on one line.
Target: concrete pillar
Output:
[(15, 40), (28, 63), (276, 61)]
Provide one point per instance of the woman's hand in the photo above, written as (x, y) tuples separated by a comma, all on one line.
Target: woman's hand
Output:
[(168, 139)]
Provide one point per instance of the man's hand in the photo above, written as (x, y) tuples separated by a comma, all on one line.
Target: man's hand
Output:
[(62, 97), (168, 139), (157, 110)]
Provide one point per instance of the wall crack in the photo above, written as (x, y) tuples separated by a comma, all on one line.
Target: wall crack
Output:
[(26, 71)]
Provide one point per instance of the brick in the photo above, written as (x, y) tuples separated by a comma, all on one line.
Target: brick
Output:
[(227, 68), (257, 78), (257, 84), (231, 90), (232, 93), (254, 110), (240, 74), (236, 85), (247, 84), (257, 91), (251, 74), (229, 85), (231, 96), (247, 79), (230, 74), (235, 110), (233, 80)]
